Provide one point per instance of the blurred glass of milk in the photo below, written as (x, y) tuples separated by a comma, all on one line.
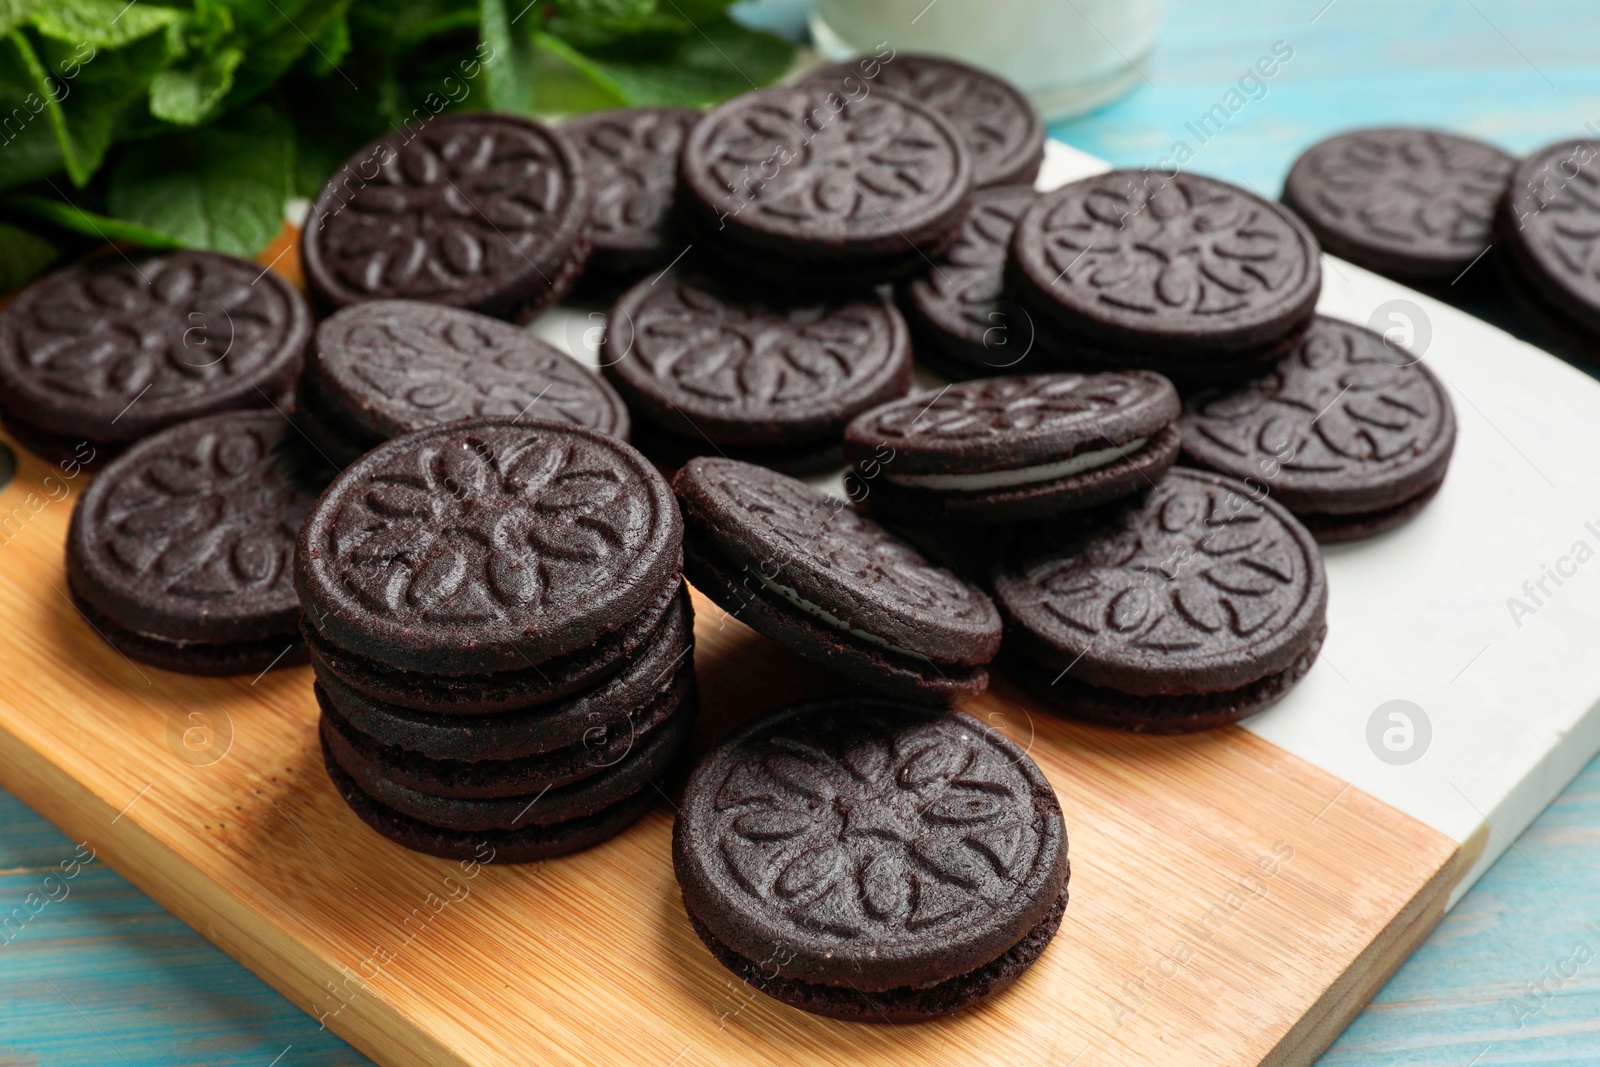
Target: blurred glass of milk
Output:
[(1068, 55)]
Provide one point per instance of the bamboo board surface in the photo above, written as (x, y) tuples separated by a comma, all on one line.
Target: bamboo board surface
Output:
[(1228, 898)]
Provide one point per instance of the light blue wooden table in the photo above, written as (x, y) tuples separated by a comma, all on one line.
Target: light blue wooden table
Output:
[(102, 976)]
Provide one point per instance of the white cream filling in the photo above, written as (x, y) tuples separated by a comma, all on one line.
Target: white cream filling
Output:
[(1005, 479), (792, 596)]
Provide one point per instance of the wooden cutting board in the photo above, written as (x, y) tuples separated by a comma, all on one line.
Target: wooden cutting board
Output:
[(1233, 902)]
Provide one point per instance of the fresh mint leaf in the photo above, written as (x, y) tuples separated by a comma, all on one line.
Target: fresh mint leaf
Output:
[(508, 70), (14, 12), (716, 60), (103, 24), (227, 195), (28, 147), (277, 34), (23, 256), (70, 217), (189, 96)]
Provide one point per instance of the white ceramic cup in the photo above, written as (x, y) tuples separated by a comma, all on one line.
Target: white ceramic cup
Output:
[(1068, 55)]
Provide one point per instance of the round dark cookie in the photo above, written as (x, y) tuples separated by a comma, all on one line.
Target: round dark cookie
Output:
[(112, 350), (1012, 448), (869, 845), (1336, 529), (811, 572), (485, 546), (958, 308), (1194, 588), (1155, 271), (590, 716), (594, 776), (497, 692), (488, 212), (794, 183), (522, 845), (1409, 203), (1346, 427), (631, 155), (703, 360), (1000, 126), (388, 367), (185, 543), (1544, 221)]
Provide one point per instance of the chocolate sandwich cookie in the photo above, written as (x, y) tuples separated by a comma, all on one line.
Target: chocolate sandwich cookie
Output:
[(718, 369), (114, 349), (999, 125), (1189, 607), (604, 771), (652, 679), (793, 185), (387, 367), (813, 574), (632, 158), (871, 860), (180, 553), (958, 312), (488, 212), (1012, 448), (1412, 204), (1189, 276), (484, 546), (1349, 434), (526, 842), (1550, 206)]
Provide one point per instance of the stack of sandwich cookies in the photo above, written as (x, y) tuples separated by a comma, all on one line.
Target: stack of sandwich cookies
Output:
[(1013, 448), (1350, 433), (710, 368), (488, 212), (998, 124), (1189, 607), (961, 319), (98, 355), (632, 158), (1192, 277), (502, 641), (180, 554), (815, 575), (797, 187), (387, 367), (1412, 204), (870, 860)]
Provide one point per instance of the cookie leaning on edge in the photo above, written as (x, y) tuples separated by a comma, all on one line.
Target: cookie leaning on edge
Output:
[(1189, 607), (1350, 434), (1012, 448), (871, 860), (813, 574), (180, 554)]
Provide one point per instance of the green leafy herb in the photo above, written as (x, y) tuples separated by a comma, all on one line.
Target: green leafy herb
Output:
[(22, 255), (230, 193)]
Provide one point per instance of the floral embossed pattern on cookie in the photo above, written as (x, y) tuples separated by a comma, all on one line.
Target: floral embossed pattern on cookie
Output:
[(114, 349), (1550, 222), (872, 846), (1405, 202), (483, 212), (402, 365), (1337, 428), (490, 535)]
